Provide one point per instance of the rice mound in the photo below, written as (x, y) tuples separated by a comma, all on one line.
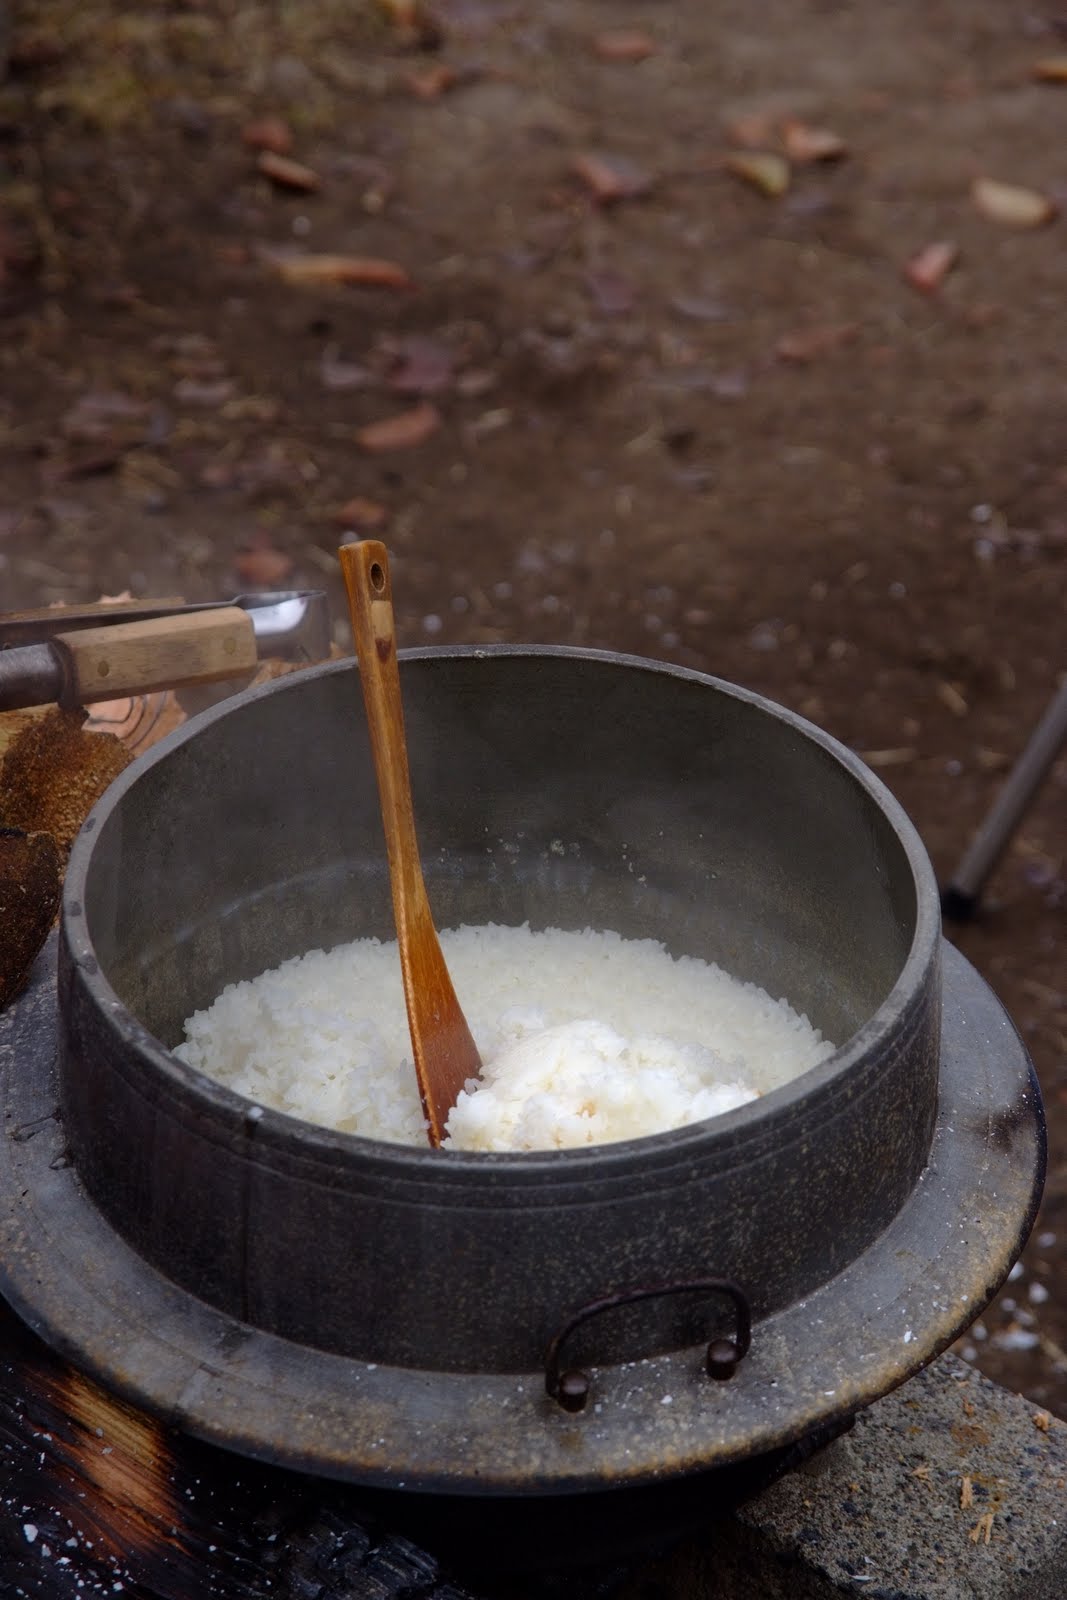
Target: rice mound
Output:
[(572, 1029)]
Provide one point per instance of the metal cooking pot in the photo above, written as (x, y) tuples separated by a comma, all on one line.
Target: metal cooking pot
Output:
[(416, 1292)]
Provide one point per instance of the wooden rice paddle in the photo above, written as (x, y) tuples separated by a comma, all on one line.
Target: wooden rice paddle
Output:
[(445, 1053)]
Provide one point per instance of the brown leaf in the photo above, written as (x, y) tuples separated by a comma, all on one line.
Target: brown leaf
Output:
[(803, 143), (287, 174), (261, 565), (360, 514), (931, 265), (402, 431), (268, 133), (30, 875), (1010, 204), (432, 82), (807, 344), (624, 44), (1052, 69), (316, 270), (762, 169), (611, 178)]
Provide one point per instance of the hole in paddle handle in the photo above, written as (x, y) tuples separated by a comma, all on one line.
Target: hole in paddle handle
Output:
[(377, 577)]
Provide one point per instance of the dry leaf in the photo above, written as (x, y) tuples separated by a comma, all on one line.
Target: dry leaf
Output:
[(360, 514), (762, 169), (966, 1494), (432, 83), (1042, 1420), (1052, 69), (929, 268), (268, 133), (262, 566), (314, 271), (403, 431), (807, 344), (611, 178), (983, 1528), (287, 174), (803, 143), (1010, 204), (624, 44), (30, 876)]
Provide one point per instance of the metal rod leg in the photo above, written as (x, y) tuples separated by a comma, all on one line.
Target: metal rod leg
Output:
[(960, 899)]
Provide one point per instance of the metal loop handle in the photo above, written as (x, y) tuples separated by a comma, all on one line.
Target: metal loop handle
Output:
[(571, 1387)]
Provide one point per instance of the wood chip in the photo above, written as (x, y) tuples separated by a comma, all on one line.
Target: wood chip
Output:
[(804, 144), (287, 174), (624, 44), (1010, 204), (401, 432), (951, 698), (1051, 69), (316, 270), (1042, 1421), (760, 169), (983, 1528), (928, 269), (966, 1494), (268, 133)]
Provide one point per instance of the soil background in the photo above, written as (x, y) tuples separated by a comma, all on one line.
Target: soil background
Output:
[(630, 399)]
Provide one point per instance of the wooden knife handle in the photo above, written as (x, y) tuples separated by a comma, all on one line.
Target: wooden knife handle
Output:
[(164, 653)]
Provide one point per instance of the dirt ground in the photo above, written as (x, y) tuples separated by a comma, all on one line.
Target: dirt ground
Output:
[(631, 400)]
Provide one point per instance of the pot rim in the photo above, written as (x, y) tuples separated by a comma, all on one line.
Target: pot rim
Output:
[(817, 1084)]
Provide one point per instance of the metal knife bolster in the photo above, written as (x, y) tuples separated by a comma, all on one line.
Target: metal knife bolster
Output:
[(33, 675)]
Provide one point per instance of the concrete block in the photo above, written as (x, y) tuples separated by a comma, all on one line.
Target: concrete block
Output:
[(949, 1489)]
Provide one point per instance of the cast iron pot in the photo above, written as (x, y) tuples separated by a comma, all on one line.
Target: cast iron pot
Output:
[(561, 788)]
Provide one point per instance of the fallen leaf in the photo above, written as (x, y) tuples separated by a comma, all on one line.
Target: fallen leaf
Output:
[(261, 565), (762, 169), (624, 44), (1010, 204), (287, 174), (966, 1493), (313, 271), (360, 514), (268, 133), (807, 344), (420, 365), (432, 83), (1051, 69), (402, 431), (803, 143), (931, 265), (611, 178)]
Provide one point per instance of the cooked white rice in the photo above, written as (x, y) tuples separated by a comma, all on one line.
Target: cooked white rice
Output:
[(585, 1038)]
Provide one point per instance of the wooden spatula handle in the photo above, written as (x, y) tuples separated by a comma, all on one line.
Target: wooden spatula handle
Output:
[(365, 568), (164, 653)]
